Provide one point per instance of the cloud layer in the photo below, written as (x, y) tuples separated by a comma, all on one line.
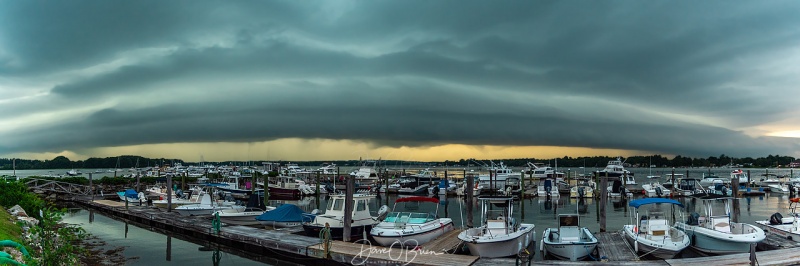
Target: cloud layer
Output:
[(687, 78)]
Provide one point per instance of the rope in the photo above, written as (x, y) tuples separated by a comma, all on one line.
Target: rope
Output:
[(325, 238)]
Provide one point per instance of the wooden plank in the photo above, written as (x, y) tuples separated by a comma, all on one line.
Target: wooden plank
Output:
[(773, 257), (363, 253), (111, 203), (613, 246), (444, 243)]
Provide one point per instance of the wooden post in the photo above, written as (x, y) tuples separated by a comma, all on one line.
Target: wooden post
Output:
[(747, 185), (603, 200), (183, 181), (468, 198), (169, 248), (673, 177), (137, 183), (169, 193), (348, 209), (623, 192), (598, 193), (91, 186), (735, 200), (686, 176), (266, 189)]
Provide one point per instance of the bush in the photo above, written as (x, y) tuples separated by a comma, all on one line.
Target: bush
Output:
[(14, 193)]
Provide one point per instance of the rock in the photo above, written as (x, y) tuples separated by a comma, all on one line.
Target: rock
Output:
[(18, 211)]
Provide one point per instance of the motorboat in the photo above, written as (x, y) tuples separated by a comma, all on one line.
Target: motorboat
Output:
[(768, 179), (288, 187), (581, 191), (496, 179), (512, 186), (206, 207), (710, 180), (741, 175), (254, 208), (616, 190), (499, 234), (327, 169), (132, 196), (655, 189), (615, 168), (652, 233), (547, 187), (286, 215), (362, 220), (671, 179), (569, 241), (411, 228), (688, 187), (445, 186), (719, 188), (785, 227), (779, 188), (715, 233)]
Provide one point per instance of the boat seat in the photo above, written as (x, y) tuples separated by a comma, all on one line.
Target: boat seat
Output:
[(722, 227), (658, 227), (496, 227), (570, 235)]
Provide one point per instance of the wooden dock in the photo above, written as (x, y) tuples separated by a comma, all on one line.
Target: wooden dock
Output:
[(614, 248), (446, 243), (288, 244)]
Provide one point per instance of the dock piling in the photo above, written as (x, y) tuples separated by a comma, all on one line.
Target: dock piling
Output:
[(348, 209), (735, 201), (468, 198), (603, 200), (169, 193)]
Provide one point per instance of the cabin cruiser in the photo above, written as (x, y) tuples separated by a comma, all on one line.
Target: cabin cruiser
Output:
[(710, 180), (741, 175), (287, 187), (362, 220), (497, 176), (652, 233), (569, 241), (499, 234), (615, 168), (671, 179), (715, 233), (411, 228)]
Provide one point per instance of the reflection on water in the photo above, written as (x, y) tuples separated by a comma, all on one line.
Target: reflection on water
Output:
[(155, 248)]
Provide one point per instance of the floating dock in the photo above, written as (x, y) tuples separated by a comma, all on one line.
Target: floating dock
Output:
[(291, 245)]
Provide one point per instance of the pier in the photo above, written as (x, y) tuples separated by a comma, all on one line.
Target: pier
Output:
[(291, 244)]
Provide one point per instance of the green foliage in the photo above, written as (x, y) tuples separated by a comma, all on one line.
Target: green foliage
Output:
[(14, 193), (8, 228), (59, 244)]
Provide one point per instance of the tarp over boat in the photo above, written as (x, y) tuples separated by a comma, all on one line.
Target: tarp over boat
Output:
[(640, 202), (130, 193), (284, 213)]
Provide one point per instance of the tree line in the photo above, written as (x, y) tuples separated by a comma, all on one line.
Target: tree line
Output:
[(128, 161)]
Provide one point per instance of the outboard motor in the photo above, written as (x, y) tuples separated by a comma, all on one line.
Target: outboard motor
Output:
[(776, 219), (581, 192), (548, 185), (659, 193), (694, 219), (616, 187)]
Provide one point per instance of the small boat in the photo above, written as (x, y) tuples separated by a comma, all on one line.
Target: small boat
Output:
[(786, 227), (716, 234), (131, 195), (655, 189), (362, 220), (206, 207), (688, 187), (652, 233), (286, 215), (399, 227), (569, 241), (779, 188), (255, 207), (616, 190), (73, 172), (547, 187), (499, 235), (581, 191)]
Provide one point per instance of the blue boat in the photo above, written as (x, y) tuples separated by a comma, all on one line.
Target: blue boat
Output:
[(131, 195), (287, 215)]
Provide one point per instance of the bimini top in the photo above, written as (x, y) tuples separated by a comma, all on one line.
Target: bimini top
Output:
[(640, 202), (416, 199)]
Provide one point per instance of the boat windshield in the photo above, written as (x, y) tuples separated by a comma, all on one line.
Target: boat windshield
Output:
[(409, 217)]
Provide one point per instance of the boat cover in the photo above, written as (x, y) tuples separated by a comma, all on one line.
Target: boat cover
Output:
[(645, 201), (284, 213), (130, 193)]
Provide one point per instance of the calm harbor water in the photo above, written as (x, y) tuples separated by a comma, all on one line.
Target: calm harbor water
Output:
[(150, 246)]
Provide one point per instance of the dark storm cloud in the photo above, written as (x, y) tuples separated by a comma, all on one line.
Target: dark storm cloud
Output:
[(589, 74)]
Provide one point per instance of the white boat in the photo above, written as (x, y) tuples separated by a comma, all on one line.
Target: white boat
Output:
[(132, 196), (499, 235), (496, 179), (688, 187), (779, 188), (615, 168), (719, 188), (785, 227), (715, 233), (547, 187), (411, 228), (362, 220), (581, 191), (742, 175), (245, 217), (710, 180), (652, 233), (206, 207), (569, 241), (73, 172), (655, 189), (616, 190), (327, 169)]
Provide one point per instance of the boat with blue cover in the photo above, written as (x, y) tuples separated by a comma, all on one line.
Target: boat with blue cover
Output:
[(286, 215)]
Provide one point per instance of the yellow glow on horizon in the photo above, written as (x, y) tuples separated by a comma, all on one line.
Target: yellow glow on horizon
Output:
[(294, 149), (790, 134)]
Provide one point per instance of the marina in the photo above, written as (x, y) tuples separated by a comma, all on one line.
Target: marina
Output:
[(292, 244)]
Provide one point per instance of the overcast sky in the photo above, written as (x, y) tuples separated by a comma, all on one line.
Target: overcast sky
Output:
[(411, 80)]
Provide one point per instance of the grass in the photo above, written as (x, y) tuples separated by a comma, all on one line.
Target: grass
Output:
[(9, 230)]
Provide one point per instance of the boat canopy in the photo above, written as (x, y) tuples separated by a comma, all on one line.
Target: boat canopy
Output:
[(130, 193), (284, 213), (415, 199), (640, 202)]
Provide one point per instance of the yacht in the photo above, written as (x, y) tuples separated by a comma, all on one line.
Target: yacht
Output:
[(569, 241), (715, 233), (499, 234), (616, 169), (652, 233), (400, 227), (496, 178), (362, 220)]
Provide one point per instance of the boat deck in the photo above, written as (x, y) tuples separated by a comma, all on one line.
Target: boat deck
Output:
[(447, 243)]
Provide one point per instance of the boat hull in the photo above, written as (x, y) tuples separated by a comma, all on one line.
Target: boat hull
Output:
[(653, 248), (356, 232), (572, 251), (275, 224), (395, 237), (709, 242), (784, 230), (502, 246), (284, 193)]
